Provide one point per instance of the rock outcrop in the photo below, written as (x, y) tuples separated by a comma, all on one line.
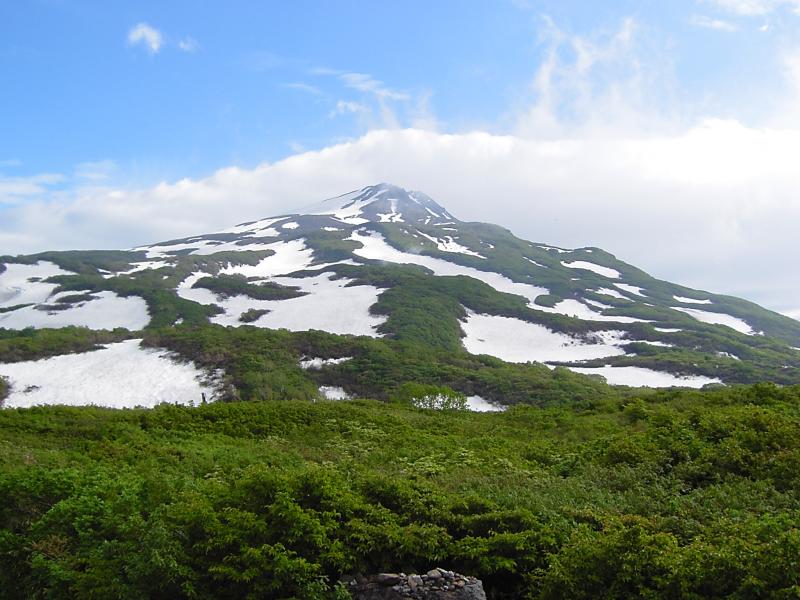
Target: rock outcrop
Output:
[(436, 584)]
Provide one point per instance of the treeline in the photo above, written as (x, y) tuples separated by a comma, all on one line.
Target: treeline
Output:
[(673, 494)]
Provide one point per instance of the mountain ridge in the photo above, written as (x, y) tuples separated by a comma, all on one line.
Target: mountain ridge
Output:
[(394, 265)]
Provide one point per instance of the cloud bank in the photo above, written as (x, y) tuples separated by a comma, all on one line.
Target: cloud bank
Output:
[(714, 207)]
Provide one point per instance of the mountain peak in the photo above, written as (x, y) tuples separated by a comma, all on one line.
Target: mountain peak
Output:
[(383, 202)]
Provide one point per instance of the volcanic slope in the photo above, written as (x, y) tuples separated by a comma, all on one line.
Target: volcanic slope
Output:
[(398, 271)]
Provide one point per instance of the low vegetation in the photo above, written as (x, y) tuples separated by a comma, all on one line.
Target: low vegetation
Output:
[(670, 494)]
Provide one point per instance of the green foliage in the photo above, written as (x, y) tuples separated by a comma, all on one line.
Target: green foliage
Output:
[(235, 285), (252, 315), (439, 397), (31, 344), (669, 494)]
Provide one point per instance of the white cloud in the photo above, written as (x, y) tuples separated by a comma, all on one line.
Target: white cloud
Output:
[(148, 36), (366, 83), (17, 189), (714, 207), (755, 8), (708, 23), (188, 44), (345, 107), (304, 87)]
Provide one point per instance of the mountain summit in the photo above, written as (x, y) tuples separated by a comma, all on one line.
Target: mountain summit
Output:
[(383, 203), (394, 266)]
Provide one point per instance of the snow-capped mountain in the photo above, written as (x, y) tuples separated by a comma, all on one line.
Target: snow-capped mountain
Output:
[(393, 264)]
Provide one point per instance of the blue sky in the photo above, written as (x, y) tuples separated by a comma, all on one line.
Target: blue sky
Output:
[(122, 123), (256, 80)]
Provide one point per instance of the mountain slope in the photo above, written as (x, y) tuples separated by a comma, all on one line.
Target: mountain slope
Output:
[(390, 264)]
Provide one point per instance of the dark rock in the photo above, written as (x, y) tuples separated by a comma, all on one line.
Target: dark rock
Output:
[(387, 579), (436, 584)]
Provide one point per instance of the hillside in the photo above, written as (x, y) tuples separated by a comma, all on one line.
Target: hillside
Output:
[(676, 494), (381, 287)]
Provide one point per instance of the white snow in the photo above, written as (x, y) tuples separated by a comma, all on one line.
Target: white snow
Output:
[(612, 293), (631, 289), (289, 257), (15, 287), (597, 304), (120, 375), (200, 247), (578, 310), (559, 250), (317, 363), (641, 377), (331, 229), (514, 340), (448, 244), (718, 319), (345, 208), (290, 225), (588, 266), (376, 248), (141, 266), (257, 226), (533, 262), (393, 216), (667, 329), (728, 355), (329, 305), (478, 404), (331, 392), (107, 311), (686, 300), (656, 343)]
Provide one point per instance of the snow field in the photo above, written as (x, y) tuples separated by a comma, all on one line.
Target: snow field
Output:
[(121, 375), (588, 266), (16, 287), (718, 319), (329, 305), (641, 377), (106, 311)]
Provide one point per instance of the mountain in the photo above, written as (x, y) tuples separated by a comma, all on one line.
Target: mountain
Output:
[(432, 299)]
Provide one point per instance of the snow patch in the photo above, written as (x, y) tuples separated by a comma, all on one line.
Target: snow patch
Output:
[(16, 287), (121, 375), (105, 311), (631, 289), (290, 225), (288, 257), (718, 319), (329, 305), (686, 300), (641, 377), (514, 340), (331, 392), (612, 293), (578, 310), (374, 247), (478, 404), (588, 266), (448, 244), (317, 363)]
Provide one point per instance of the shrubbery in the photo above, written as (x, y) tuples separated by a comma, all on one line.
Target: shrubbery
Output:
[(673, 494)]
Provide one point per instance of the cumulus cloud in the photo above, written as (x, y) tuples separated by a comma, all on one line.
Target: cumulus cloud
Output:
[(18, 189), (593, 158), (713, 207), (755, 8), (147, 36)]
